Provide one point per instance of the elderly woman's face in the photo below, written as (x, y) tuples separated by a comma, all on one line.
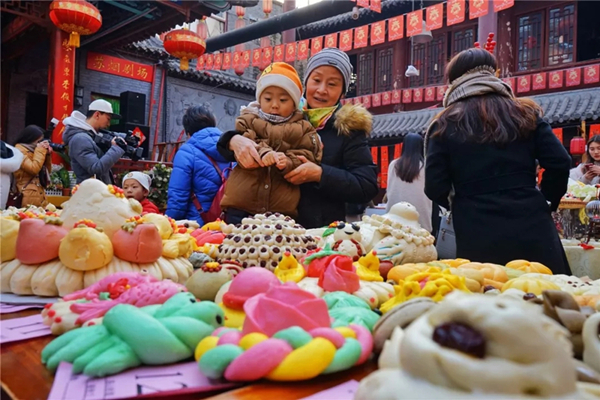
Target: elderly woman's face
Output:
[(324, 87)]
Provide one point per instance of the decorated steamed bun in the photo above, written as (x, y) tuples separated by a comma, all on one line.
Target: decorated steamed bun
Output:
[(137, 242), (85, 248), (9, 229), (33, 230)]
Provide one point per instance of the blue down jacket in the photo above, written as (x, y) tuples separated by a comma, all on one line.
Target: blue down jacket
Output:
[(192, 170)]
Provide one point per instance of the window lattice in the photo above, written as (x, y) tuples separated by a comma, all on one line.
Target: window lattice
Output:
[(418, 60), (365, 73), (384, 69), (463, 40), (529, 43), (436, 57), (561, 22)]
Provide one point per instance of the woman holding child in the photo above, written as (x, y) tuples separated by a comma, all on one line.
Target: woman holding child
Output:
[(346, 173)]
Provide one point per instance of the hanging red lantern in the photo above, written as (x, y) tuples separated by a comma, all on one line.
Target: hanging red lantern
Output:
[(185, 45), (577, 146), (240, 11), (267, 6), (202, 28), (240, 23), (77, 17)]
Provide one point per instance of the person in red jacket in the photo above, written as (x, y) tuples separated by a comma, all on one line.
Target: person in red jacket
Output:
[(136, 185)]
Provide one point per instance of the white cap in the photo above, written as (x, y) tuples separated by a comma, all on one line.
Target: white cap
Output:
[(103, 106), (143, 179)]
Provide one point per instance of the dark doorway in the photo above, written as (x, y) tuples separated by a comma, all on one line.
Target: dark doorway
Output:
[(36, 108)]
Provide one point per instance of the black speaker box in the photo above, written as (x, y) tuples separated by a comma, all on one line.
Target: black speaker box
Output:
[(126, 127), (133, 108)]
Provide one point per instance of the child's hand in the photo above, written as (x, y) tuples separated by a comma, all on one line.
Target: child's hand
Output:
[(281, 161), (269, 158)]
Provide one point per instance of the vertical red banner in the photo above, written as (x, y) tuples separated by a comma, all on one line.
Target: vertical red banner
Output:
[(555, 79), (478, 8), (396, 96), (245, 59), (559, 133), (414, 23), (361, 36), (237, 60), (574, 77), (418, 95), (316, 45), (376, 100), (279, 53), (226, 61), (384, 166), (267, 57), (430, 94), (455, 12), (386, 98), (61, 84), (500, 5), (395, 28), (594, 130), (441, 91), (377, 33), (346, 40), (303, 49), (539, 81), (210, 61), (376, 5), (363, 3), (256, 57), (331, 40), (200, 63), (218, 63), (290, 52), (375, 155), (397, 151), (524, 84), (591, 74), (366, 101), (434, 16), (511, 83), (406, 95)]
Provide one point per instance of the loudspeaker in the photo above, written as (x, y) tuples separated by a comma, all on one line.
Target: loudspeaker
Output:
[(126, 127), (133, 108)]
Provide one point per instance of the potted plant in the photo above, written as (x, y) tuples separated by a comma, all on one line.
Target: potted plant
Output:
[(65, 179)]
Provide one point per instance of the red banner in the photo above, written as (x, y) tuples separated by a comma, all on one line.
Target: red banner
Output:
[(377, 33), (500, 5), (256, 57), (406, 95), (316, 45), (376, 99), (386, 98), (200, 63), (361, 36), (478, 8), (278, 55), (397, 151), (331, 40), (559, 133), (414, 23), (555, 79), (376, 5), (303, 49), (524, 84), (366, 101), (62, 82), (363, 3), (245, 59), (455, 12), (430, 94), (218, 63), (591, 74), (384, 166), (290, 52), (418, 95), (395, 28), (374, 155), (210, 62), (594, 130), (539, 81), (511, 83), (267, 56), (237, 60), (119, 66), (435, 16), (357, 100), (226, 61), (574, 77), (396, 96), (346, 40), (441, 90)]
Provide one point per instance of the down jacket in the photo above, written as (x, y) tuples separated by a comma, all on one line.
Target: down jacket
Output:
[(27, 177), (264, 189), (194, 172)]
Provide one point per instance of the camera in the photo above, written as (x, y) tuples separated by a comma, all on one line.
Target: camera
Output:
[(127, 141), (48, 136), (355, 14)]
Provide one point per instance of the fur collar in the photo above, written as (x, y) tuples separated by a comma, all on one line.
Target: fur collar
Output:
[(353, 117)]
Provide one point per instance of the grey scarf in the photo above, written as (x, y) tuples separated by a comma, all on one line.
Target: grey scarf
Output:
[(254, 108), (475, 82)]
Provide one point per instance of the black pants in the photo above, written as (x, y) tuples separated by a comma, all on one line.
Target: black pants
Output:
[(235, 216)]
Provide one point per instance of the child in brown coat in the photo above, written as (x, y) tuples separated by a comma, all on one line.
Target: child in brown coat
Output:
[(281, 134)]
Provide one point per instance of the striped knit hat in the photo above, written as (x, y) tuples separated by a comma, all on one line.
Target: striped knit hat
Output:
[(334, 58)]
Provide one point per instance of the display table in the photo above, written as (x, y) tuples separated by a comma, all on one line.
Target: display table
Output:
[(57, 200), (582, 262), (24, 377)]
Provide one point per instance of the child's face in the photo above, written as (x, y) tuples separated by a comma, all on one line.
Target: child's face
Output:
[(134, 190), (276, 101)]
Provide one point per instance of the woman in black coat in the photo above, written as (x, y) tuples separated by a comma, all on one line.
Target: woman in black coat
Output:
[(482, 152)]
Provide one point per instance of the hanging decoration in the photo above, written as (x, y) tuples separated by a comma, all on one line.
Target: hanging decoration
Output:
[(396, 28), (574, 77), (456, 12), (377, 33), (290, 52), (434, 16), (490, 44), (524, 85), (414, 23), (346, 40), (316, 45), (202, 28), (278, 55), (303, 49), (591, 74), (500, 5), (77, 17), (331, 40), (185, 45), (555, 79), (539, 81), (239, 48), (478, 8), (265, 42), (361, 36)]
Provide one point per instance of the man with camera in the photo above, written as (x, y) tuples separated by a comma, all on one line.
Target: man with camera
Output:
[(81, 131)]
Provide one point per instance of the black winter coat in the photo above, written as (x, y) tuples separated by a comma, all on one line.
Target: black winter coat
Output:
[(499, 215), (349, 174)]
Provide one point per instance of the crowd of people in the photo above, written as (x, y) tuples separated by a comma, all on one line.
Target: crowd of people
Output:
[(298, 151)]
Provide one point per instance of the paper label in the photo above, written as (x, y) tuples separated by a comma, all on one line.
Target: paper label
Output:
[(11, 308), (345, 391), (12, 330)]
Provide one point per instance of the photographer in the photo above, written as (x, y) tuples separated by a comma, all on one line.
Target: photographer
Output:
[(33, 176), (87, 159)]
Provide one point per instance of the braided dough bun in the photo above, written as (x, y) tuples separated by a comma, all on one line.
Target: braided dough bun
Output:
[(527, 355)]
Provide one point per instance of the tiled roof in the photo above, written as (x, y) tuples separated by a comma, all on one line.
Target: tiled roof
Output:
[(151, 46), (389, 9), (560, 107), (222, 79)]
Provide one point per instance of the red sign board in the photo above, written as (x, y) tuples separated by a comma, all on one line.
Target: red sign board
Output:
[(574, 77), (500, 5), (396, 96), (594, 130), (539, 81), (278, 56), (63, 83), (237, 59), (119, 66), (396, 28), (591, 74), (256, 57), (414, 23), (210, 61), (406, 95), (303, 49), (290, 52), (418, 95), (361, 36), (226, 61), (377, 33), (559, 133), (441, 90), (455, 12), (524, 84), (316, 45), (218, 61), (386, 98), (376, 5), (384, 166), (331, 40), (376, 99), (555, 79), (245, 59), (366, 101), (478, 8), (200, 63), (267, 57), (430, 94), (435, 16), (346, 40)]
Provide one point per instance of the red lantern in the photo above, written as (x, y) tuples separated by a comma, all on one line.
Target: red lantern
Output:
[(78, 17), (267, 6), (202, 29), (240, 11), (577, 146), (185, 45), (240, 23)]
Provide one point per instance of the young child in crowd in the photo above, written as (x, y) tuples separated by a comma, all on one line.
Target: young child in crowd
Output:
[(136, 185), (277, 126)]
